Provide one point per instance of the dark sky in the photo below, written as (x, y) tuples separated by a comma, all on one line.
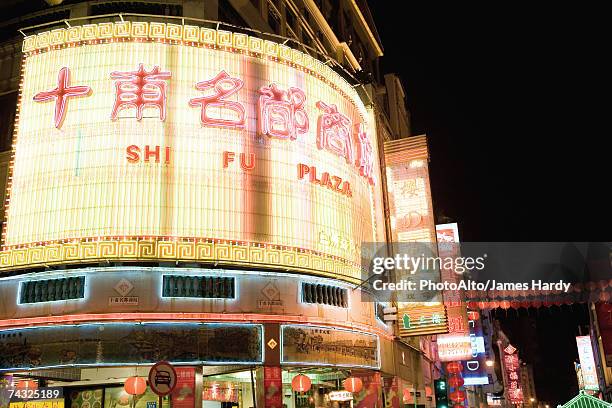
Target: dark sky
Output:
[(508, 99)]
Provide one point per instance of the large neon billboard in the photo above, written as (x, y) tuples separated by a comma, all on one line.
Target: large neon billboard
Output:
[(156, 141)]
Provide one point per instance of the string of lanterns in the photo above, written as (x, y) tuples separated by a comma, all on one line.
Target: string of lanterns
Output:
[(455, 380), (303, 383)]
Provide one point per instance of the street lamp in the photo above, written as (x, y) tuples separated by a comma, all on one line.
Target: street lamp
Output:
[(489, 363)]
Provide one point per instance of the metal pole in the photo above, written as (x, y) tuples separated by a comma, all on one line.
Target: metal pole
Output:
[(253, 390)]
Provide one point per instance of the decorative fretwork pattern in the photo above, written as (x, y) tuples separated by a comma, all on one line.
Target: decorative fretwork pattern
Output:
[(234, 253)]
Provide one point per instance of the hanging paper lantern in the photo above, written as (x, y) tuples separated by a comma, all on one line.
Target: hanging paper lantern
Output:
[(454, 367), (428, 391), (27, 384), (458, 406), (353, 384), (457, 396), (135, 385), (455, 381), (301, 383)]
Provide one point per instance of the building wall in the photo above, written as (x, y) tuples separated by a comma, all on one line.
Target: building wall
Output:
[(338, 30)]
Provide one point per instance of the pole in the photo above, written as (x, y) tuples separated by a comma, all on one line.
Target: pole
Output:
[(160, 401), (253, 390)]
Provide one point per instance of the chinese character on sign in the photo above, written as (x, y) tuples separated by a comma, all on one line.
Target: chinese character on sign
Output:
[(334, 132), (61, 93), (281, 113), (222, 86), (456, 324), (436, 318), (365, 158), (140, 89)]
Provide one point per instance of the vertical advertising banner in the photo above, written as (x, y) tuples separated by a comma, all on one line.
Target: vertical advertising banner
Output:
[(412, 218), (512, 373), (183, 395), (474, 370), (587, 363), (456, 345), (273, 387)]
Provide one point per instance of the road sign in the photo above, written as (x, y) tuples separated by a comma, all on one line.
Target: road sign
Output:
[(162, 378)]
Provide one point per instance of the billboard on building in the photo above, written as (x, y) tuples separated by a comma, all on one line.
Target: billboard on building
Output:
[(512, 372), (149, 140), (587, 363), (457, 344)]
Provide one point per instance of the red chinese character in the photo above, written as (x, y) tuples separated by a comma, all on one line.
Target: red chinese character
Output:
[(334, 132), (365, 156), (61, 93), (139, 89), (281, 113), (455, 324), (223, 85)]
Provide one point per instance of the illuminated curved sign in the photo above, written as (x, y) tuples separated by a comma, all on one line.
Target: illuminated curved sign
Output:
[(147, 141)]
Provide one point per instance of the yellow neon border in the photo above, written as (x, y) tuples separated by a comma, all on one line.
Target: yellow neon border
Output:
[(194, 250)]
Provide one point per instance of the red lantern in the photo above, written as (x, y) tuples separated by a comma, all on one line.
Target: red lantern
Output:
[(27, 385), (353, 384), (454, 367), (457, 396), (455, 381), (135, 385), (301, 383), (459, 406), (473, 315)]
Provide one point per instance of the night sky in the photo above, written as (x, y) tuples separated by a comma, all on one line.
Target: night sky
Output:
[(507, 100)]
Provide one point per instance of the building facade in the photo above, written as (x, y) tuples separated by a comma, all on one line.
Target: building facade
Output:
[(190, 181)]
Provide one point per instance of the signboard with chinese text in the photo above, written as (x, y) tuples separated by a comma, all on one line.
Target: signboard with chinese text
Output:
[(410, 202), (512, 372), (448, 246), (456, 345), (222, 391), (46, 403), (419, 319), (587, 363), (186, 150), (303, 344), (183, 395)]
